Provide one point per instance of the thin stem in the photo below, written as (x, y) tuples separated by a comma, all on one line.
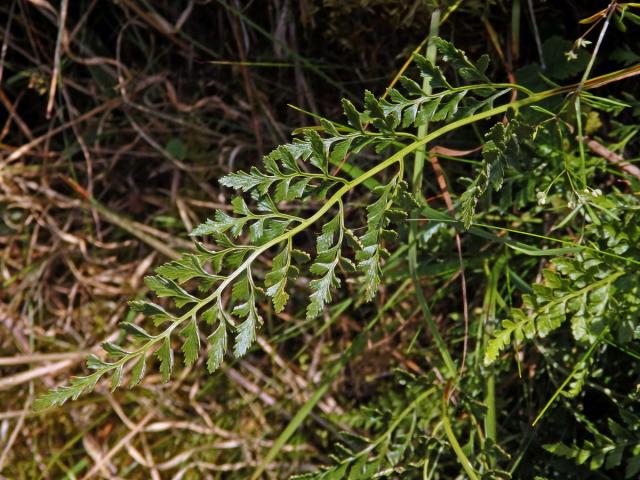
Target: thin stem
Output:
[(462, 458), (583, 162), (489, 314), (536, 34), (416, 186), (578, 365), (587, 72), (585, 76), (476, 228), (482, 86)]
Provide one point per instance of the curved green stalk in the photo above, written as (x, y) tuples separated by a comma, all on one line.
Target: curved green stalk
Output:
[(578, 108), (577, 366), (477, 229), (462, 458), (488, 321), (416, 187)]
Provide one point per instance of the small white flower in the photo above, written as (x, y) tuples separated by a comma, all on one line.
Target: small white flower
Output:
[(597, 192), (571, 55), (571, 204), (542, 197), (582, 42)]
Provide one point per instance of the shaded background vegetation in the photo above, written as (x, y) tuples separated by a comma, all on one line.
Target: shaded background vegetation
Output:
[(102, 176)]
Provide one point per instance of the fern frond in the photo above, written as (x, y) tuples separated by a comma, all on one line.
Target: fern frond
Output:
[(502, 145), (298, 173), (579, 289)]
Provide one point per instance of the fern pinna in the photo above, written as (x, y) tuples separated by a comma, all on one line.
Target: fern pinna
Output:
[(250, 254)]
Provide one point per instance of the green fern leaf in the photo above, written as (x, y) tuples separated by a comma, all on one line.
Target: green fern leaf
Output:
[(163, 287), (182, 270), (458, 59), (114, 350), (138, 371), (352, 115), (370, 255), (191, 345), (328, 255), (218, 342), (136, 331), (165, 356), (276, 280), (246, 333), (60, 395), (248, 181)]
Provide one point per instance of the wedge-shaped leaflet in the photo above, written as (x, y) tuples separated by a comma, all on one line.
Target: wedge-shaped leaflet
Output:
[(324, 266), (163, 287), (372, 250)]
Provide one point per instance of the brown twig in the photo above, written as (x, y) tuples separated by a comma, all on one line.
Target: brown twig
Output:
[(442, 184), (619, 161)]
